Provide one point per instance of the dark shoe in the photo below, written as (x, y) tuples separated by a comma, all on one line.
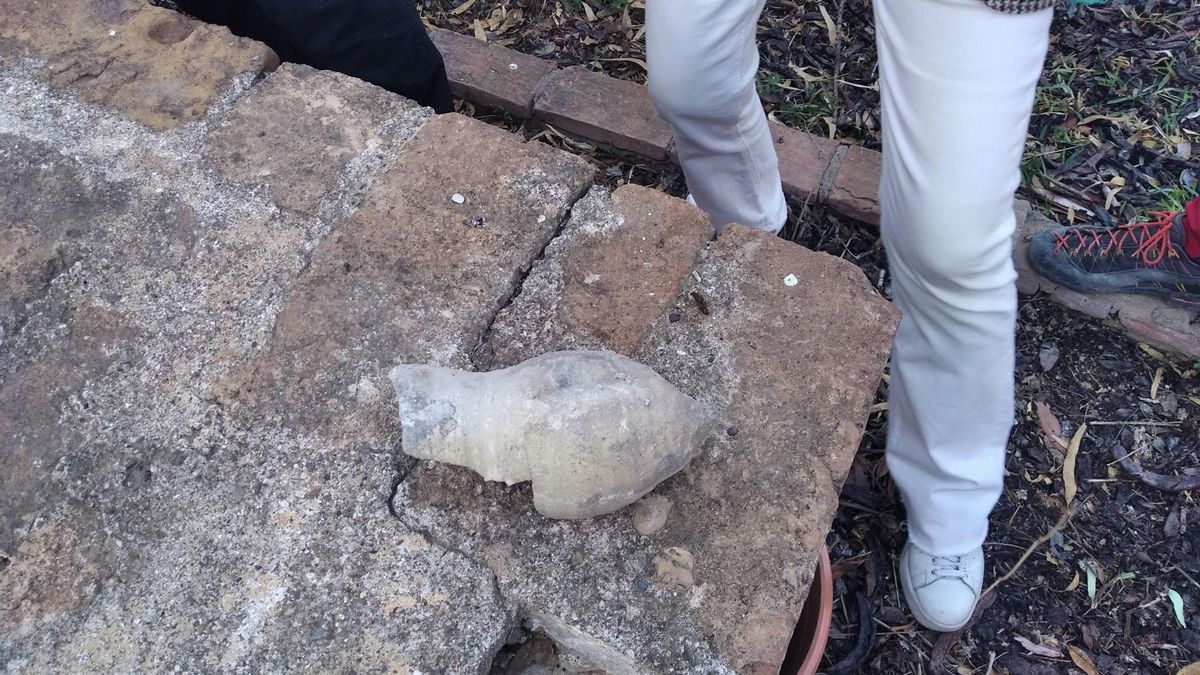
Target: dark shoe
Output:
[(1150, 257)]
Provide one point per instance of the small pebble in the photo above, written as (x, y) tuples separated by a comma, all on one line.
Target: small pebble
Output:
[(790, 280), (651, 513), (1048, 356), (674, 317), (513, 66), (458, 198)]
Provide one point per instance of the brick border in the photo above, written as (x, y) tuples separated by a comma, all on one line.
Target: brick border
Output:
[(619, 114)]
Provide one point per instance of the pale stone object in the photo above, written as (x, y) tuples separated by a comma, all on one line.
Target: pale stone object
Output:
[(593, 430)]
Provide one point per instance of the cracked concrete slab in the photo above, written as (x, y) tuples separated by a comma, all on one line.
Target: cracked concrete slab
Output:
[(622, 259), (787, 346), (415, 276), (194, 353), (165, 527)]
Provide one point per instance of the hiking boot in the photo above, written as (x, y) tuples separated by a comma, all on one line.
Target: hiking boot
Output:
[(941, 591), (1158, 257)]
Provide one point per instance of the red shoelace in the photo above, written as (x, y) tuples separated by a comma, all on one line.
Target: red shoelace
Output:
[(1153, 239)]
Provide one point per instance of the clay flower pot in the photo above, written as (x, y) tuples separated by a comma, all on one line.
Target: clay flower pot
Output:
[(812, 630)]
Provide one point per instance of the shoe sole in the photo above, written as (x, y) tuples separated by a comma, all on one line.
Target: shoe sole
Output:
[(918, 612)]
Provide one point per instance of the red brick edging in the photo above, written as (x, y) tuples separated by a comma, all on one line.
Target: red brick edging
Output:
[(619, 114)]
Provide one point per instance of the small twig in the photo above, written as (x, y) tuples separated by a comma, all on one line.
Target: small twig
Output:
[(1062, 522), (1179, 569), (1146, 423), (1154, 480), (837, 62), (852, 662)]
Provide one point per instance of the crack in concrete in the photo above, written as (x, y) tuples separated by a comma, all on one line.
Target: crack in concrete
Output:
[(482, 356), (515, 615)]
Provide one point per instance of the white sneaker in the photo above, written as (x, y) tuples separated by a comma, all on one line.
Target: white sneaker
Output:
[(941, 590)]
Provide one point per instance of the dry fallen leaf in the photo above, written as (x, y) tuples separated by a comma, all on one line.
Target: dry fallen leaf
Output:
[(1069, 488), (830, 28), (803, 74), (1051, 430), (629, 59), (1158, 375), (1074, 583), (1082, 660), (462, 8), (1040, 650)]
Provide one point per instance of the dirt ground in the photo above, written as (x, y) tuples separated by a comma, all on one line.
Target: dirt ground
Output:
[(1115, 588)]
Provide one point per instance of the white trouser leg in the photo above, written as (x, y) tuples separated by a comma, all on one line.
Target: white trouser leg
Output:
[(703, 61), (958, 85)]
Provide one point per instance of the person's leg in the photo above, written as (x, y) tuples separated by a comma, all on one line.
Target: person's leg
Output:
[(382, 42), (703, 61), (958, 84)]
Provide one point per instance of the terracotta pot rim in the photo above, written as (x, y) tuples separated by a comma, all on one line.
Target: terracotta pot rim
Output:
[(820, 604)]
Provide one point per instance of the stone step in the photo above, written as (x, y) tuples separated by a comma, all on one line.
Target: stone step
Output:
[(707, 574), (158, 515), (197, 331), (416, 274)]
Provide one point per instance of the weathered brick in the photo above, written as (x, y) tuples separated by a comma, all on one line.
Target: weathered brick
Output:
[(413, 276), (787, 347), (620, 262), (1161, 325), (604, 109), (298, 130), (855, 190), (490, 74), (154, 65), (803, 159)]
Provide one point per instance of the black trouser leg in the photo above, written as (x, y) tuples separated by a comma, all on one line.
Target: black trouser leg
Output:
[(380, 41)]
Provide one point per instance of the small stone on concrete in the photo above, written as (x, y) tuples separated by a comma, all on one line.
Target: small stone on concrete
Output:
[(650, 515), (674, 566)]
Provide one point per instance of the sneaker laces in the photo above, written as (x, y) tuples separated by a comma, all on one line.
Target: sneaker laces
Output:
[(948, 567), (1152, 239)]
